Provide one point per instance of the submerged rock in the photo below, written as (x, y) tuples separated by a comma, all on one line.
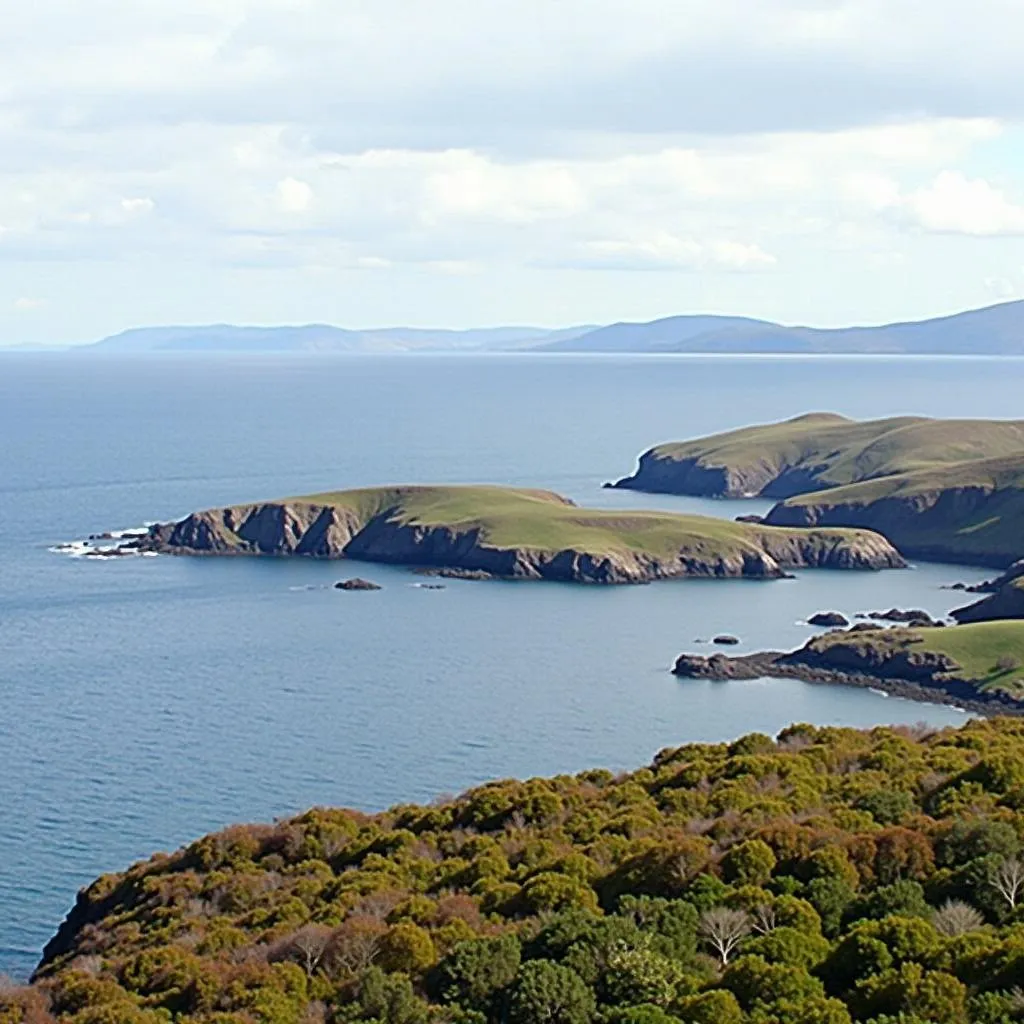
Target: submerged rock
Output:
[(725, 640)]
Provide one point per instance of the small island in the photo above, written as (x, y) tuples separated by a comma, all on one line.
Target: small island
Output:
[(510, 533), (979, 667), (943, 490)]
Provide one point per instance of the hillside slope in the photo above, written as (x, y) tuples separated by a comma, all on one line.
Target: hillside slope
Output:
[(826, 876), (951, 490)]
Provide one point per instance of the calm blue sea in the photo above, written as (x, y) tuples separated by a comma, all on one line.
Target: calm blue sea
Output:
[(147, 701)]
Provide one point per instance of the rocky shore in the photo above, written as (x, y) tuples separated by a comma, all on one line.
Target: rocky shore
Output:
[(874, 660)]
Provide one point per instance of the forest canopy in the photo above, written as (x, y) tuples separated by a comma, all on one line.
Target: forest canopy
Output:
[(824, 876)]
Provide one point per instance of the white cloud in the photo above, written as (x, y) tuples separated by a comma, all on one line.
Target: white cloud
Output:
[(137, 206), (27, 305), (664, 251), (959, 205), (455, 137), (294, 196)]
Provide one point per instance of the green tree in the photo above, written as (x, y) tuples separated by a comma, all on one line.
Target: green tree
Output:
[(475, 972), (749, 863), (546, 993)]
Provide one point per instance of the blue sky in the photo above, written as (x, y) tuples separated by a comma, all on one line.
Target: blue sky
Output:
[(458, 163)]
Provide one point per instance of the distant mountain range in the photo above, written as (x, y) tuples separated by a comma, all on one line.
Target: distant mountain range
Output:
[(324, 338), (995, 330)]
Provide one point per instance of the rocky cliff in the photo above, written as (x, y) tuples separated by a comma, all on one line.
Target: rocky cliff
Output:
[(976, 523), (559, 541), (1004, 601)]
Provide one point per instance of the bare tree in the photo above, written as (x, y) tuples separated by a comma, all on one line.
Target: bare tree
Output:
[(723, 930), (355, 944), (764, 919), (1008, 880), (308, 947), (955, 917)]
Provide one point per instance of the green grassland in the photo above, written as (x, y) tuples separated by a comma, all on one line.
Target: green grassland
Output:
[(836, 451)]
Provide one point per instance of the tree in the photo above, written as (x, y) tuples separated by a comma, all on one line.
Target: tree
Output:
[(955, 917), (640, 975), (724, 929), (474, 972), (546, 993), (407, 947), (355, 944), (389, 998), (749, 863), (764, 919), (309, 947), (1008, 879)]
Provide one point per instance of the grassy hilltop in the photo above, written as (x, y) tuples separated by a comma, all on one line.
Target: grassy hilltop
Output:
[(944, 489), (514, 533), (988, 655), (827, 876)]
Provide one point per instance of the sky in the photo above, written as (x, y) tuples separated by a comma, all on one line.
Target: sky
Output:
[(460, 163)]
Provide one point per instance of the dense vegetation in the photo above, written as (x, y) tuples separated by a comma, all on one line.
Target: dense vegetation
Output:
[(825, 876)]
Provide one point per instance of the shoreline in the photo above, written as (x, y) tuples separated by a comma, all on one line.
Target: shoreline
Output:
[(957, 693)]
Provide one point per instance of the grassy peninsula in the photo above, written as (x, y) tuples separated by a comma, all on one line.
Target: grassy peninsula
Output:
[(511, 533), (942, 489), (826, 876), (978, 665)]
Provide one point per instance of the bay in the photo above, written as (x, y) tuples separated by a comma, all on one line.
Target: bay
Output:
[(147, 701)]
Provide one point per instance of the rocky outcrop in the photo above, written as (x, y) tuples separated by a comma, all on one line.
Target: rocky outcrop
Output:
[(831, 619), (868, 658), (275, 528), (911, 616), (1006, 603), (357, 583)]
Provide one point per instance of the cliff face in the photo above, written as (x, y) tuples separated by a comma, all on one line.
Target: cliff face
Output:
[(659, 473), (324, 531), (1005, 600), (956, 524), (267, 529)]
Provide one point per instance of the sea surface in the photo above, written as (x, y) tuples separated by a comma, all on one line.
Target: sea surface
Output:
[(149, 700)]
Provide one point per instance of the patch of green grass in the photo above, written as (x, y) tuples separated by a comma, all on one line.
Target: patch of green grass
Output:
[(991, 654), (544, 521), (837, 451)]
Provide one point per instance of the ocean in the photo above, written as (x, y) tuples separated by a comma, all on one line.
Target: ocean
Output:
[(150, 700)]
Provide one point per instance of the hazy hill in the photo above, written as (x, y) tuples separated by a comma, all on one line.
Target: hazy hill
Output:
[(994, 330), (325, 338)]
